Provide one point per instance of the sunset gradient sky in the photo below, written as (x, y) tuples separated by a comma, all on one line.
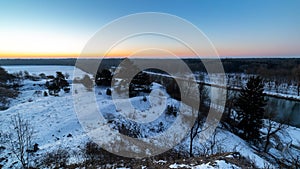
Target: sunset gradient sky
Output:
[(61, 28)]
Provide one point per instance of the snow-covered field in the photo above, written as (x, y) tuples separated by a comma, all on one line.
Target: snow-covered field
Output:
[(56, 124), (36, 70), (53, 118)]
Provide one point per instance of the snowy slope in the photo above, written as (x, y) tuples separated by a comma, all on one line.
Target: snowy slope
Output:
[(56, 124), (53, 118)]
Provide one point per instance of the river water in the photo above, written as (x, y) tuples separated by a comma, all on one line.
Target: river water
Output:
[(284, 109)]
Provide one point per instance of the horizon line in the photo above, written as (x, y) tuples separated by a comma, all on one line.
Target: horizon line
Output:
[(156, 57)]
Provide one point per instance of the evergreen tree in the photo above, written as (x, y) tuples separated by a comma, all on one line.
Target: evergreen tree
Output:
[(103, 77), (251, 104), (59, 82)]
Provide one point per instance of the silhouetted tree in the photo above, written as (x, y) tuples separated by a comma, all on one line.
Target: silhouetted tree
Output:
[(203, 92), (108, 91), (203, 96), (139, 83), (173, 89), (141, 79), (103, 78), (4, 76), (251, 104), (59, 82), (296, 72)]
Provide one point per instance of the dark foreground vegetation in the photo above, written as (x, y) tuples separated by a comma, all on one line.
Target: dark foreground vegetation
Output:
[(96, 157), (9, 85)]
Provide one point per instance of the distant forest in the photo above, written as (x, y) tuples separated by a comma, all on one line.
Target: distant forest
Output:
[(287, 68)]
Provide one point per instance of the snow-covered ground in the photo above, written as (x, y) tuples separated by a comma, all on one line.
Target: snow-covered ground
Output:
[(53, 118), (220, 164), (36, 70), (57, 126)]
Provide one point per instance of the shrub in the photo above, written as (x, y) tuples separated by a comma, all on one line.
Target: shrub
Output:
[(108, 91), (144, 98), (67, 90), (45, 94), (56, 159), (171, 110), (103, 77), (54, 85), (95, 155)]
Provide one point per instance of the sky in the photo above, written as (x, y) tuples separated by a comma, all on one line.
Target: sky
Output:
[(61, 28)]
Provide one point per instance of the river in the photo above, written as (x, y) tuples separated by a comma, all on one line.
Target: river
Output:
[(284, 109)]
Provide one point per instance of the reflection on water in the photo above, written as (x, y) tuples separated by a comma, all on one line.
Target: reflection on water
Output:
[(286, 110)]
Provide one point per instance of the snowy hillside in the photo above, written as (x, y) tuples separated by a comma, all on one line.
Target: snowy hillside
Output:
[(56, 124)]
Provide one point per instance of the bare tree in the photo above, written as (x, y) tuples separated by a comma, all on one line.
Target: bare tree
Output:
[(210, 145), (295, 162), (193, 133), (272, 128), (21, 139), (203, 96)]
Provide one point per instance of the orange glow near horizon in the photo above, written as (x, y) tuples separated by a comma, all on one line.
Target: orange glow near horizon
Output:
[(223, 53), (121, 54), (112, 54)]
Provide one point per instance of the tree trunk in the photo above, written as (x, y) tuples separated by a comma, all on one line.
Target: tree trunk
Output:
[(267, 143), (191, 143)]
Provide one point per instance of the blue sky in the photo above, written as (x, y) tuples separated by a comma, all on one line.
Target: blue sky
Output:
[(240, 28)]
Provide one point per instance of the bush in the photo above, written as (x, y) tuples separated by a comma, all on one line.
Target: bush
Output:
[(144, 98), (45, 94), (4, 76), (67, 90), (171, 110), (56, 84), (103, 77), (43, 75), (108, 91), (92, 152), (56, 159), (95, 155)]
